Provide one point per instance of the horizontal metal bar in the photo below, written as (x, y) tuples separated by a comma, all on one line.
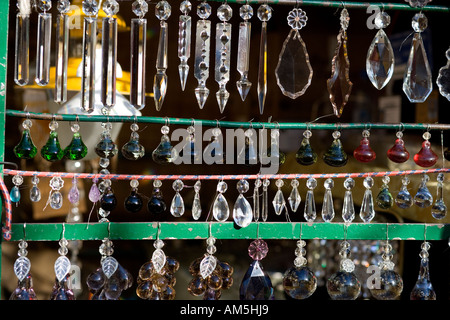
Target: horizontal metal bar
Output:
[(226, 124), (228, 230)]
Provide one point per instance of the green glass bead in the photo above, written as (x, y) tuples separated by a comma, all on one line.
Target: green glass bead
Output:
[(26, 148), (384, 198), (305, 154), (52, 151), (335, 155), (76, 150)]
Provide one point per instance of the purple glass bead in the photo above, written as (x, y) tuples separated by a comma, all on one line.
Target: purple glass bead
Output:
[(257, 250), (94, 193)]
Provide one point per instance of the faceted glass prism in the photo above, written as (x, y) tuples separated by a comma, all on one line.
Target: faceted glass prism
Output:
[(380, 60), (52, 151), (76, 150), (25, 149), (256, 284)]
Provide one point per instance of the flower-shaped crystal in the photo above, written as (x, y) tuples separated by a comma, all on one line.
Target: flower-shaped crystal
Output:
[(297, 19)]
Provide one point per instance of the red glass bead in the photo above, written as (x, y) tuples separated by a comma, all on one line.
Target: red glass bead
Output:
[(426, 157), (398, 152), (364, 153)]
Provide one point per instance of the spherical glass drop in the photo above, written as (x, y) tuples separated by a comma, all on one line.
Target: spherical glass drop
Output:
[(299, 283), (426, 157), (25, 149), (390, 286), (197, 286), (264, 12), (384, 198), (343, 286), (133, 203), (108, 202), (398, 152), (364, 153), (156, 205)]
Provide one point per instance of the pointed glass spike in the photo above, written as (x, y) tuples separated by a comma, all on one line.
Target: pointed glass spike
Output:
[(310, 213), (25, 149), (265, 200), (443, 79), (44, 49), (264, 14), (305, 154), (243, 59), (294, 198), (380, 60), (426, 157), (364, 153), (339, 85), (335, 156), (348, 208), (184, 41), (404, 199), (88, 63), (384, 198), (398, 152), (62, 57), (278, 201), (76, 150), (327, 205), (138, 57), (256, 284), (109, 60), (201, 65), (294, 72), (221, 210), (256, 201), (222, 62), (423, 197), (367, 212), (439, 209), (22, 48), (417, 80), (52, 151), (160, 81)]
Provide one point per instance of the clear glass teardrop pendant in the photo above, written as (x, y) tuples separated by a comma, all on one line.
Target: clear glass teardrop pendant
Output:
[(196, 203), (242, 211), (310, 204), (221, 210), (439, 209), (348, 208), (404, 199), (35, 192), (367, 212), (177, 205), (327, 205), (423, 197)]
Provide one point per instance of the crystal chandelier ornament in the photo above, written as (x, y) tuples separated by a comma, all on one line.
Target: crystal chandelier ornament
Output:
[(417, 80), (305, 154), (439, 209), (190, 152), (327, 204), (62, 266), (243, 57), (44, 41), (310, 213), (14, 194), (184, 41), (335, 156), (294, 198), (163, 11), (133, 149), (364, 153), (76, 150), (398, 153), (242, 210), (22, 43), (221, 210), (384, 198), (367, 212), (164, 153), (348, 208), (108, 201), (138, 47), (423, 197), (426, 157), (196, 203), (94, 192), (265, 200), (256, 200), (264, 14), (423, 289), (52, 151), (55, 197), (106, 148), (213, 152), (177, 205), (339, 84), (418, 3), (62, 51), (35, 192), (256, 284), (443, 79), (74, 192), (380, 57), (294, 72), (223, 54), (404, 199), (134, 202), (202, 52), (26, 148), (156, 204), (278, 202)]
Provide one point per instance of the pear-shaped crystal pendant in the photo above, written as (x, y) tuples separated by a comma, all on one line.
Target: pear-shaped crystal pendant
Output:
[(294, 72), (25, 149), (55, 197), (213, 152), (439, 209), (404, 199), (327, 205), (278, 201), (74, 192), (367, 212), (52, 151), (348, 208), (423, 289), (335, 156), (134, 203), (106, 148), (384, 198), (310, 204), (339, 85), (133, 149), (423, 197), (294, 198), (221, 210), (177, 205), (417, 80), (164, 153), (242, 211), (305, 154), (35, 192), (426, 157), (380, 57), (398, 152), (76, 150), (443, 79), (196, 203), (364, 153)]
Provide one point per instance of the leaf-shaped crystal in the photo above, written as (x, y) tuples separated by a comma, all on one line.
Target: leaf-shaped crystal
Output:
[(207, 265), (221, 210), (242, 212), (380, 60), (22, 267), (158, 260), (62, 267), (109, 266)]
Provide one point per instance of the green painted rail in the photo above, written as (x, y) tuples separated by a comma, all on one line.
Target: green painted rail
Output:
[(228, 230)]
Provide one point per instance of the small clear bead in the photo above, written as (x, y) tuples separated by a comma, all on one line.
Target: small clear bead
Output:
[(425, 246), (75, 127), (134, 183), (111, 7), (399, 134), (347, 265), (158, 244), (386, 180), (387, 265), (17, 180), (178, 185), (368, 182), (426, 136), (190, 130), (222, 187), (140, 8), (134, 135), (264, 12), (204, 10), (224, 12), (165, 129), (56, 183), (424, 254), (104, 171), (345, 19), (366, 133), (63, 242), (103, 213), (185, 7), (34, 180), (258, 183), (266, 183), (104, 162), (345, 244), (27, 124), (211, 249), (349, 183), (300, 252), (90, 7), (22, 253), (300, 261), (134, 127), (382, 20), (307, 134), (405, 181), (336, 135), (294, 183), (163, 10), (44, 5), (210, 241), (301, 243), (279, 183), (440, 177), (246, 12), (63, 251), (242, 186), (248, 133), (328, 184), (311, 183), (107, 126), (419, 22), (275, 133), (63, 6), (53, 125), (157, 184), (216, 132), (23, 245)]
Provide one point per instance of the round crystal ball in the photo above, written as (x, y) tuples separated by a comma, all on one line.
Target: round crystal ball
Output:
[(258, 249), (426, 136), (328, 184), (75, 127), (224, 12), (134, 183), (216, 132), (382, 20), (258, 183), (45, 5), (386, 180), (440, 177), (157, 184), (185, 7), (264, 12), (419, 22), (279, 183), (349, 183), (246, 12), (203, 10), (27, 124), (90, 7), (139, 8), (242, 186), (178, 185), (307, 134), (368, 182), (111, 7), (165, 129), (336, 134), (53, 125), (63, 6), (311, 183), (222, 187), (163, 10), (294, 183)]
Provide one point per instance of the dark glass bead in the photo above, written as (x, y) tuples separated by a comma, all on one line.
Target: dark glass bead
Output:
[(25, 149), (133, 203), (108, 201), (156, 203), (335, 155), (305, 154)]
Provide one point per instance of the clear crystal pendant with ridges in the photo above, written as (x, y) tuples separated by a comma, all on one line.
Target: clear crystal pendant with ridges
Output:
[(310, 213), (294, 198), (196, 203), (243, 58), (221, 210), (278, 201), (367, 212), (264, 14), (242, 211), (184, 41), (328, 206), (348, 208)]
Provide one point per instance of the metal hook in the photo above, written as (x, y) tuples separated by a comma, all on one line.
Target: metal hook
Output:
[(209, 230), (257, 230), (345, 231), (401, 127), (425, 233)]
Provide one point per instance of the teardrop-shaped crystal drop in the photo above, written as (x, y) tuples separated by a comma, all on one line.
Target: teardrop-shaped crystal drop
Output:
[(348, 208), (380, 60), (423, 197), (76, 150), (364, 153), (164, 152), (404, 199), (335, 156), (439, 209), (367, 212), (384, 198), (294, 199), (94, 193), (221, 210), (310, 207), (25, 149), (35, 194), (15, 194), (133, 203), (106, 148), (294, 72), (242, 212), (423, 289), (177, 205), (417, 80), (52, 151), (133, 150), (426, 157), (196, 207), (278, 202), (74, 194), (305, 154), (256, 284), (398, 152), (56, 200)]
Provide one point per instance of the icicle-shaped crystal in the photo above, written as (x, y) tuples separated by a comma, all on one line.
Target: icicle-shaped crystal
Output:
[(44, 42), (310, 204), (417, 80), (223, 54), (265, 200), (184, 41), (327, 205), (256, 202), (348, 208), (243, 58), (202, 52), (196, 203), (109, 54), (177, 205), (22, 44), (90, 9), (294, 198), (439, 209), (221, 210), (62, 51), (138, 54), (162, 11), (242, 211), (423, 197), (367, 212), (264, 14), (404, 199)]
